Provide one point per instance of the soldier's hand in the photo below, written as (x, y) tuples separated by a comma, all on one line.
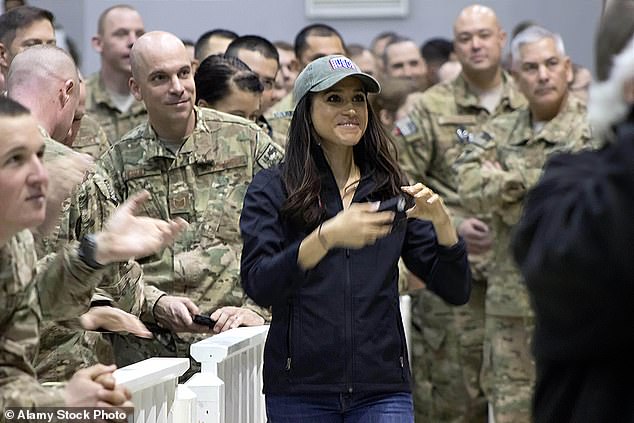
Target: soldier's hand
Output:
[(477, 235), (114, 320), (357, 226), (128, 236), (94, 387), (232, 317), (175, 313), (492, 166), (113, 395)]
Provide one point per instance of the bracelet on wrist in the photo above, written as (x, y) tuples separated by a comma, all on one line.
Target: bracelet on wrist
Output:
[(321, 238)]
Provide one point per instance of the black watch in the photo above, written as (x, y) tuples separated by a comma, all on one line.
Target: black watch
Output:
[(87, 250)]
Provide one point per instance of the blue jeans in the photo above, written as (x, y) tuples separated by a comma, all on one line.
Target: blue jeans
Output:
[(340, 408)]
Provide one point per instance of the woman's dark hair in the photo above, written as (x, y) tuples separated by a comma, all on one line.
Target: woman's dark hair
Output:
[(216, 73), (614, 33), (301, 177)]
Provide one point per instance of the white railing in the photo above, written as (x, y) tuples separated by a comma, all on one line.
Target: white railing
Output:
[(229, 385), (228, 388), (153, 384)]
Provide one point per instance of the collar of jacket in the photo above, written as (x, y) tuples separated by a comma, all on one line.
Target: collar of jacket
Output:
[(557, 130), (511, 99), (158, 150), (100, 95), (330, 198)]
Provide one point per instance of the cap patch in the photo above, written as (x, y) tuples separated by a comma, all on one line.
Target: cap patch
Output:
[(342, 63)]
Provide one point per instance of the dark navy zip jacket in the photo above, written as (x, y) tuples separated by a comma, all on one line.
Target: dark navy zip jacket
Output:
[(337, 327)]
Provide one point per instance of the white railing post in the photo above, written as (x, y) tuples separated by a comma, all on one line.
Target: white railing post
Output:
[(184, 408), (152, 383), (405, 303), (231, 376), (210, 397)]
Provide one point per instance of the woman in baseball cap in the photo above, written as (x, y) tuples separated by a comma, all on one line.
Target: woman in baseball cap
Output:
[(322, 234)]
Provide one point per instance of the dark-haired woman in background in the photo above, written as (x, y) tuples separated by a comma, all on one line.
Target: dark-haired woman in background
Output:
[(319, 252), (228, 85)]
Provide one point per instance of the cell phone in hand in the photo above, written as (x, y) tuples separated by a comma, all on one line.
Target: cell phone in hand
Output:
[(399, 206), (201, 319)]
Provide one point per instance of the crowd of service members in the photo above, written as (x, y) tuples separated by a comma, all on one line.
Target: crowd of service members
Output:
[(238, 178)]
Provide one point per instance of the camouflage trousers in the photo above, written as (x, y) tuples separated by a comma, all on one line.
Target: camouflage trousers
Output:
[(65, 350), (447, 358), (508, 371)]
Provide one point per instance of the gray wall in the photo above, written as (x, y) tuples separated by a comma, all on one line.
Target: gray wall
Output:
[(281, 19)]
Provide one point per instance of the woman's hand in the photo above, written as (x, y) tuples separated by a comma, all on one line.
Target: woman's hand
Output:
[(357, 226), (429, 206)]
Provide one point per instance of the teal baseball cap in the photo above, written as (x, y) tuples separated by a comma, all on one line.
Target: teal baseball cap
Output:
[(323, 73)]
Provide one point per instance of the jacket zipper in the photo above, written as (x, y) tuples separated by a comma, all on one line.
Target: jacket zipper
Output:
[(289, 339), (401, 333), (349, 318)]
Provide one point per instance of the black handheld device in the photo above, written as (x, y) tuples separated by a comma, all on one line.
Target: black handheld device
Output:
[(399, 205), (203, 320)]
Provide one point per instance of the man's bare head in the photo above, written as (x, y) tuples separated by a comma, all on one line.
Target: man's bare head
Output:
[(478, 39), (118, 29), (45, 80), (162, 78), (475, 13), (151, 46)]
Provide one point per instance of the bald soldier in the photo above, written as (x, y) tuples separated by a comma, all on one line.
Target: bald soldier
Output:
[(45, 80), (495, 172), (197, 164), (430, 139)]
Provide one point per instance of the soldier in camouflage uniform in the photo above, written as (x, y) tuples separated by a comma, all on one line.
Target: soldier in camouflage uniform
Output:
[(311, 42), (447, 341), (35, 79), (495, 171), (91, 139), (108, 95), (86, 135), (197, 164), (65, 286)]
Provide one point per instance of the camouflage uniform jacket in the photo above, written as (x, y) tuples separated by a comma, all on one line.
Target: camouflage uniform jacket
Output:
[(432, 137), (204, 183), (20, 314), (64, 345), (114, 122), (279, 118), (91, 139), (278, 138), (510, 140), (57, 236), (435, 133)]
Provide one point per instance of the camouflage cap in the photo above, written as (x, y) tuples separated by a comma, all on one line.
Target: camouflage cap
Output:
[(323, 73)]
